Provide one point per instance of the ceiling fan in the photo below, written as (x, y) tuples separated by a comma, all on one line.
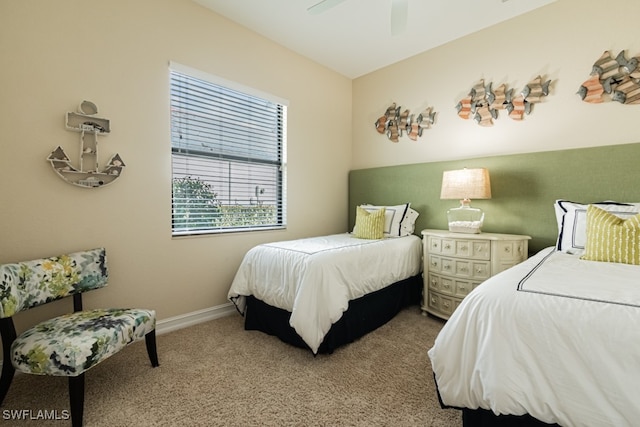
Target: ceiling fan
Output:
[(399, 12)]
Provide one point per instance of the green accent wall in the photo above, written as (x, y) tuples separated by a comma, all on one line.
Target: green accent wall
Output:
[(524, 187)]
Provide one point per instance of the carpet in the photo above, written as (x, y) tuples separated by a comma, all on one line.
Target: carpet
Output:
[(218, 374)]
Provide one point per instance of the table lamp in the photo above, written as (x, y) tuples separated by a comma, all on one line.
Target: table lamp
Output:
[(465, 184)]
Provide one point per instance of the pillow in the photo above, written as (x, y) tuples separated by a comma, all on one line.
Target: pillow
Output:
[(408, 225), (369, 225), (572, 222), (611, 238), (393, 218)]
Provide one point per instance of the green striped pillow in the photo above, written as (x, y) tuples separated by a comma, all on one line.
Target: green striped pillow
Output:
[(611, 238), (369, 225)]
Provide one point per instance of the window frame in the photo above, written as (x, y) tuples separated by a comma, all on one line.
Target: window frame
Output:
[(280, 153)]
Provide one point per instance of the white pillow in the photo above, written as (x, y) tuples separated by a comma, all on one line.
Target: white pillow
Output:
[(572, 221), (393, 218), (408, 225)]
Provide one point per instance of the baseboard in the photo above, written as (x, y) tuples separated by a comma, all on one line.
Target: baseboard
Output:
[(174, 323)]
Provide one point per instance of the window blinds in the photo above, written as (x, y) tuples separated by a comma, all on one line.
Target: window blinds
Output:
[(228, 157)]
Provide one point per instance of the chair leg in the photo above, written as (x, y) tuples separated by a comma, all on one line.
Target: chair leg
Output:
[(8, 332), (150, 340), (7, 376), (76, 399)]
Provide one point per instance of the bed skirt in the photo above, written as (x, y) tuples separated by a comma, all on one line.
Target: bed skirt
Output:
[(363, 315), (485, 418)]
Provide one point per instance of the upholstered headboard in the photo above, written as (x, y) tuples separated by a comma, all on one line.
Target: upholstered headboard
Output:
[(524, 187)]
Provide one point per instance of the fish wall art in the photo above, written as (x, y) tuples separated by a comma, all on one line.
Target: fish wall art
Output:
[(613, 79), (484, 102), (395, 123)]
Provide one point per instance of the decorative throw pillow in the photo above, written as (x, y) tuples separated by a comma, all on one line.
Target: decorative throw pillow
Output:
[(611, 238), (369, 225), (572, 221), (394, 216)]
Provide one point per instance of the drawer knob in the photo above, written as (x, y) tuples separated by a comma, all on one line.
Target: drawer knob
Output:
[(447, 246), (464, 269), (447, 267), (507, 249)]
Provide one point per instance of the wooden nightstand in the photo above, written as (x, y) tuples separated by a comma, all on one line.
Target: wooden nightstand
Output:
[(455, 263)]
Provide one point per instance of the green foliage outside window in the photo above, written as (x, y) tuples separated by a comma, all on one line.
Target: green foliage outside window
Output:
[(196, 206)]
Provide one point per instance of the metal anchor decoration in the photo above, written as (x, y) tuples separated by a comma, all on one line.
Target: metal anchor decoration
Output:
[(88, 174)]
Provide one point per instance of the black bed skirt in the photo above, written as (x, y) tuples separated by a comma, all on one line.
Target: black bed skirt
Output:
[(485, 418), (363, 315)]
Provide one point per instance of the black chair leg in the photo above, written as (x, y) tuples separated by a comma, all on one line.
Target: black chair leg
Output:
[(76, 399), (8, 332), (150, 340), (7, 376)]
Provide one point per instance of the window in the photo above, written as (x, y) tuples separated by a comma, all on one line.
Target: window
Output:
[(228, 155)]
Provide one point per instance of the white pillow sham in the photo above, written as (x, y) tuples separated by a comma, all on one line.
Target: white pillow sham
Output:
[(408, 225), (394, 216), (572, 221)]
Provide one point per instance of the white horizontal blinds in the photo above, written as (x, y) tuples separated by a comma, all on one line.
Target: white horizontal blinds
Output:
[(228, 158)]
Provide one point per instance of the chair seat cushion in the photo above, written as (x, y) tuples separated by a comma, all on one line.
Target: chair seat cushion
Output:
[(70, 344)]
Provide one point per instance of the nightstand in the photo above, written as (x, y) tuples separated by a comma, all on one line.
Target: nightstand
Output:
[(455, 263)]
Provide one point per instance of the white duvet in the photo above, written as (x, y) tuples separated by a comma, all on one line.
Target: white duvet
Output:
[(315, 278), (555, 336)]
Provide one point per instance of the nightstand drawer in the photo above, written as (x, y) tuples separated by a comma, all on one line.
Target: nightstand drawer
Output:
[(470, 249), (465, 268), (511, 250), (473, 269), (441, 304), (450, 286)]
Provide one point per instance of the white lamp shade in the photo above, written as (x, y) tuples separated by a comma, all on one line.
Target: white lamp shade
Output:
[(466, 184)]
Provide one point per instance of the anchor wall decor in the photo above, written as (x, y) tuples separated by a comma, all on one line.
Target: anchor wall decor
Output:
[(88, 174)]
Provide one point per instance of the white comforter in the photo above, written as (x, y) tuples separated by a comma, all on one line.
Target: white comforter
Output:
[(315, 278), (555, 336)]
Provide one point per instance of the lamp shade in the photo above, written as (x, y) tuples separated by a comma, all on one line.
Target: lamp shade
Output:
[(466, 184)]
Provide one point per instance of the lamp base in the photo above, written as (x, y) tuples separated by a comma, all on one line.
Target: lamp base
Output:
[(465, 219)]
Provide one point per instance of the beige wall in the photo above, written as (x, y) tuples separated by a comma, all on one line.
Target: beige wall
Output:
[(560, 41), (116, 53)]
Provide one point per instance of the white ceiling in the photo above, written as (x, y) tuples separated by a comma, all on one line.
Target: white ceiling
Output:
[(354, 37)]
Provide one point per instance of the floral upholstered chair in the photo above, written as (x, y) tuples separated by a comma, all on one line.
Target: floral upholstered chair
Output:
[(70, 344)]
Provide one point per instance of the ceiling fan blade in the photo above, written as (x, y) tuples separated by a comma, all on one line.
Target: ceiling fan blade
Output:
[(323, 6), (399, 14)]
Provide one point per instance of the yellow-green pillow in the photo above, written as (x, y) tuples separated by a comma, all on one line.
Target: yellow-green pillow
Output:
[(611, 238), (369, 225)]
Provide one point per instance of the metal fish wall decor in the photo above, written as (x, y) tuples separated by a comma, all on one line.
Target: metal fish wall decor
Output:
[(613, 79), (395, 122), (483, 102)]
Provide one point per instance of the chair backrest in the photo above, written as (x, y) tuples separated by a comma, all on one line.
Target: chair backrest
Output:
[(27, 284)]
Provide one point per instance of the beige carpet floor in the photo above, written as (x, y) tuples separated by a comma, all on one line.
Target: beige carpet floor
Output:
[(218, 374)]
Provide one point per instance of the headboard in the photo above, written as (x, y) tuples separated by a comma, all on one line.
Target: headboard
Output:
[(523, 186)]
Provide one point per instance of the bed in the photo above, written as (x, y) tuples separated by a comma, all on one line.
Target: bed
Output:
[(326, 291), (555, 339)]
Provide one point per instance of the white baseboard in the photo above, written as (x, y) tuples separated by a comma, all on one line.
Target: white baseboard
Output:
[(174, 323)]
